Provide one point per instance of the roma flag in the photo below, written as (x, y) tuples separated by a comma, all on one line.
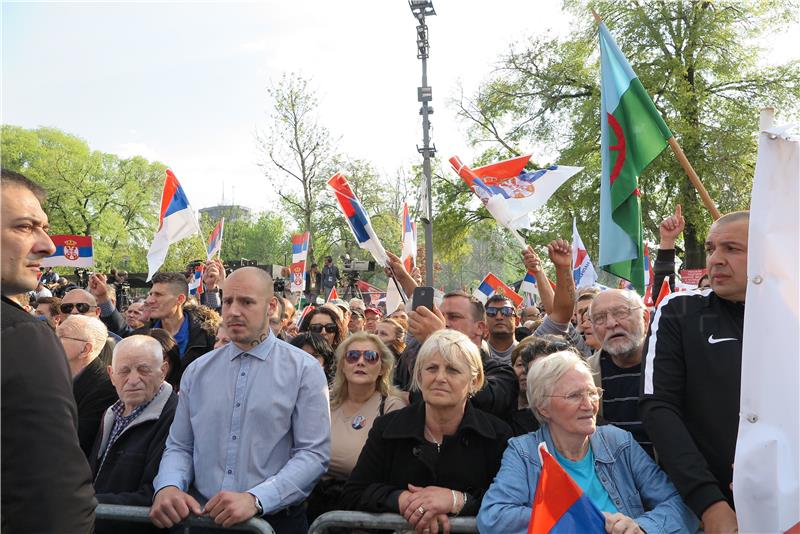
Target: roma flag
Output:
[(632, 134), (559, 505)]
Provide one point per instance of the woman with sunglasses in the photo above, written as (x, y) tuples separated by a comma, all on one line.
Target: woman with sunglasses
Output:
[(325, 322), (362, 391), (633, 494), (437, 457)]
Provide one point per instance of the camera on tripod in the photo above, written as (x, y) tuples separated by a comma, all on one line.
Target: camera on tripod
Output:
[(354, 267)]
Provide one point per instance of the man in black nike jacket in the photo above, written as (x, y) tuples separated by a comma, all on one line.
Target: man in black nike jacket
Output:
[(692, 376)]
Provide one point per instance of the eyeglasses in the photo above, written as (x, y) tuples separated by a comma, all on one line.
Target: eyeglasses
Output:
[(618, 314), (507, 311), (330, 328), (370, 356), (576, 397), (73, 339), (82, 307)]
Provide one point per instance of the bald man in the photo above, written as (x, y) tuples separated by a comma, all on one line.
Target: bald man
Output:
[(251, 432), (691, 377)]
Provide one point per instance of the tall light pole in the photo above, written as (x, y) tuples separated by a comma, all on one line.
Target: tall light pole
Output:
[(421, 9)]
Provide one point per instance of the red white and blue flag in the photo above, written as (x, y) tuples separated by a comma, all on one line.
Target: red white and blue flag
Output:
[(176, 221), (300, 244), (71, 251), (196, 283), (559, 505), (582, 269), (492, 285), (408, 254), (529, 289), (511, 193), (648, 277), (357, 218), (215, 240)]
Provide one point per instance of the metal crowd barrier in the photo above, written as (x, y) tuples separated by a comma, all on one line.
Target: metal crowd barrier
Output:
[(394, 522), (138, 514)]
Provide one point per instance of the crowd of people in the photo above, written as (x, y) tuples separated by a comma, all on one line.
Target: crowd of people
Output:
[(240, 405)]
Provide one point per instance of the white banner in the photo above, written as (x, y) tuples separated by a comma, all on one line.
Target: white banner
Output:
[(766, 473)]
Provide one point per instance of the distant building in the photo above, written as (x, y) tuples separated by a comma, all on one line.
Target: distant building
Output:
[(231, 213)]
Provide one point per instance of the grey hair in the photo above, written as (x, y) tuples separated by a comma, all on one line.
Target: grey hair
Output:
[(546, 372), (630, 295), (456, 349), (92, 327), (142, 343)]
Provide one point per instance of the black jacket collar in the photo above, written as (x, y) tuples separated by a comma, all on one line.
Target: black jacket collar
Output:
[(410, 423)]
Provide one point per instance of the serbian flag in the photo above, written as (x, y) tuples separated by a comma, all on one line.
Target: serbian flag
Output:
[(582, 269), (196, 283), (215, 240), (176, 221), (300, 244), (511, 193), (71, 251), (333, 295), (632, 134), (357, 218), (408, 255), (529, 284), (492, 285), (560, 506)]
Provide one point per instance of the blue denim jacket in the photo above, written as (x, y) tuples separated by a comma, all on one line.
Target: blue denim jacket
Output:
[(633, 481)]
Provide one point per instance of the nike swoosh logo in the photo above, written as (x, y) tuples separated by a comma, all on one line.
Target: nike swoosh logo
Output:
[(720, 340)]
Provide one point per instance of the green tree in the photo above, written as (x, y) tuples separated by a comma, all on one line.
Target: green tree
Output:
[(90, 192), (296, 148), (699, 60)]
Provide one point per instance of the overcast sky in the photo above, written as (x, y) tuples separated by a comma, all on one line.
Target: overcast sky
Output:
[(185, 83)]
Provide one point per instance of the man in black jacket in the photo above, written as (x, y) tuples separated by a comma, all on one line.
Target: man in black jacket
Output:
[(165, 302), (126, 454), (692, 376), (83, 338), (46, 482)]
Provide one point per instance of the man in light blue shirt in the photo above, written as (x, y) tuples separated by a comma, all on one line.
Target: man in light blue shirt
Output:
[(251, 432)]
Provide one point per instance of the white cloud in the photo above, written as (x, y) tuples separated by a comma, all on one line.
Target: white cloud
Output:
[(129, 150)]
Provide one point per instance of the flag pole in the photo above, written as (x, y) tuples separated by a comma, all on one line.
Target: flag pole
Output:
[(685, 164), (698, 185)]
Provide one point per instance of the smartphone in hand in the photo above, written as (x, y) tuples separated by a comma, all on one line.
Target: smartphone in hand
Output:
[(423, 296)]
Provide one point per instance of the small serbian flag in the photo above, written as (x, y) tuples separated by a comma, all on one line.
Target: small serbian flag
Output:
[(196, 283), (299, 252), (176, 221), (71, 251), (334, 295), (215, 240), (648, 276), (492, 285), (529, 284), (560, 506), (409, 251), (357, 218)]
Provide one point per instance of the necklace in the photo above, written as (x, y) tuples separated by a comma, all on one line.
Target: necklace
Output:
[(430, 435)]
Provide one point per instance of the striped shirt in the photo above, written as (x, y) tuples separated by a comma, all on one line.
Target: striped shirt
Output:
[(621, 399)]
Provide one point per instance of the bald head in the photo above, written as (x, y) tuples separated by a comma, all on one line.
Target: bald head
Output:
[(81, 303), (258, 279)]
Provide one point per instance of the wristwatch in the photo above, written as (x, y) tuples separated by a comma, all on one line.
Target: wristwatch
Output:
[(259, 508)]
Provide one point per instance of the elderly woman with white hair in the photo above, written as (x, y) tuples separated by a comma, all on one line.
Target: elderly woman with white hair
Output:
[(613, 471), (436, 457)]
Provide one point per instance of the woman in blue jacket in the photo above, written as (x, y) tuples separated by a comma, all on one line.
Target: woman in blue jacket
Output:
[(631, 491)]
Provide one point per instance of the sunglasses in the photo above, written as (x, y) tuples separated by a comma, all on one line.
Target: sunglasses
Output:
[(507, 311), (330, 328), (370, 356), (82, 307)]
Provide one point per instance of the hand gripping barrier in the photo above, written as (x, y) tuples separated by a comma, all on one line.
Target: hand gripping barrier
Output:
[(138, 514), (394, 522)]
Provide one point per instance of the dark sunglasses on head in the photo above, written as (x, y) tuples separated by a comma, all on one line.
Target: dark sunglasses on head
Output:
[(507, 311), (370, 356), (330, 328), (82, 307)]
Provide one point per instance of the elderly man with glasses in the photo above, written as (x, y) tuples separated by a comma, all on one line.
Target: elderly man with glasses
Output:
[(83, 338), (619, 322)]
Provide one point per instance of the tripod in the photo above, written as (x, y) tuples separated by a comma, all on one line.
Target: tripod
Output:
[(352, 291)]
